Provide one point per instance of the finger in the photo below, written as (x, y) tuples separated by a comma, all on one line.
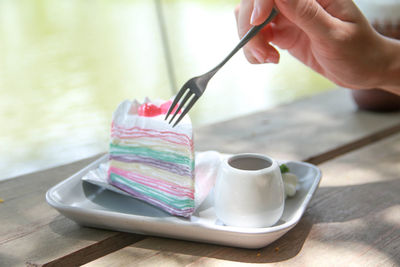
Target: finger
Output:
[(283, 33), (288, 37), (251, 57), (243, 22), (261, 11), (262, 54), (342, 9), (245, 9), (270, 53), (257, 49), (309, 15)]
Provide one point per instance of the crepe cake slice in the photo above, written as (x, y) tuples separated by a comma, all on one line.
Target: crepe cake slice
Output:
[(150, 159)]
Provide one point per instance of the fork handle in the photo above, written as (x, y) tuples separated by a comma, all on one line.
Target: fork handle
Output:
[(250, 34), (254, 30)]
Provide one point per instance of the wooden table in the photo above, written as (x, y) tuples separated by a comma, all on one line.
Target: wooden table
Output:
[(353, 219)]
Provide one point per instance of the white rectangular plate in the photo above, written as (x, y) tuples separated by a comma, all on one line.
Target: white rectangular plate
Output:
[(93, 206)]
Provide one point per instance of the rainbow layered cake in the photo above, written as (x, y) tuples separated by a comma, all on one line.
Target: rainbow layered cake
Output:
[(149, 159)]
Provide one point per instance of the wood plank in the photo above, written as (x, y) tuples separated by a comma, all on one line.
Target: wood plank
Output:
[(298, 130), (353, 220), (316, 126), (359, 143), (24, 198), (33, 232), (94, 250)]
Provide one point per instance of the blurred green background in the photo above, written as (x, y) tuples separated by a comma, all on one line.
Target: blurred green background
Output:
[(66, 64)]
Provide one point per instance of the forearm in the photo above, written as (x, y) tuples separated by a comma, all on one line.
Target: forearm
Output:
[(390, 76)]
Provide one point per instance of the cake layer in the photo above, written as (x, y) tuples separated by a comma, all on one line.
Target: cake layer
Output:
[(158, 173), (137, 132), (172, 203), (179, 169), (155, 144), (147, 152), (154, 183)]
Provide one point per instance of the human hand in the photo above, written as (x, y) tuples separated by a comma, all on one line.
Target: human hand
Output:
[(330, 36)]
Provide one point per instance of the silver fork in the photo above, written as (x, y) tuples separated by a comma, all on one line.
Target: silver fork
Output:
[(196, 86)]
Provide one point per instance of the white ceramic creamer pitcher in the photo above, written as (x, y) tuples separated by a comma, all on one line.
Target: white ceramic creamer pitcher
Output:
[(249, 191)]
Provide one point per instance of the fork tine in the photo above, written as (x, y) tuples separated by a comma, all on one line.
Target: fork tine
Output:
[(187, 108), (183, 102), (176, 99)]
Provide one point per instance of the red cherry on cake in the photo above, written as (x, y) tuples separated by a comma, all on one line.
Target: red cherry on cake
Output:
[(149, 110)]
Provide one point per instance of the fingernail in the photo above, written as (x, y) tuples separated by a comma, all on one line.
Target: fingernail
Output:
[(260, 57), (254, 15), (272, 58)]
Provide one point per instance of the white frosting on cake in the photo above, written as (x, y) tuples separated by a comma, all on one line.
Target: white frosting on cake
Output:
[(122, 117)]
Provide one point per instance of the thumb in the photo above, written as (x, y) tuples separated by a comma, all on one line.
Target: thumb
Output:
[(308, 15)]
